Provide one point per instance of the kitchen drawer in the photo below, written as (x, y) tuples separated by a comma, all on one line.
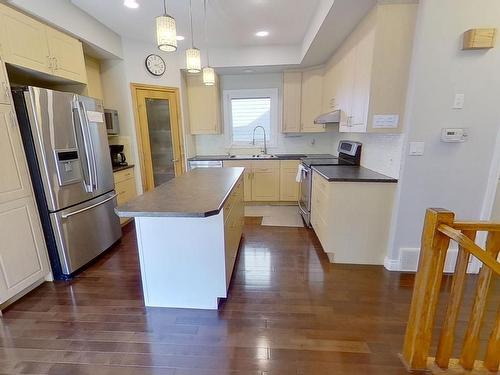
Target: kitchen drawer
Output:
[(123, 175), (263, 165), (125, 190), (320, 183)]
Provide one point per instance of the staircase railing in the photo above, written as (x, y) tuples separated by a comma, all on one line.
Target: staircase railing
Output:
[(439, 228)]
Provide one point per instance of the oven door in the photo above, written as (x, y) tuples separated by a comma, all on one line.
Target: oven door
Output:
[(305, 195)]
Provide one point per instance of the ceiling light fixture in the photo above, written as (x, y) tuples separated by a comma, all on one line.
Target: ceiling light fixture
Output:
[(132, 4), (208, 71), (166, 32), (180, 37), (193, 55), (262, 33)]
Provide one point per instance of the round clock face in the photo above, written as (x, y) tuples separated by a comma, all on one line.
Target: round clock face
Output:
[(155, 65)]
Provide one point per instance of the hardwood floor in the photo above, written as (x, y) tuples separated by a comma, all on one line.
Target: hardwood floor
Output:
[(289, 312)]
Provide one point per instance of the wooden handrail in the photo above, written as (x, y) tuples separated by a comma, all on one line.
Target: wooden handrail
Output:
[(470, 246), (479, 226), (439, 228)]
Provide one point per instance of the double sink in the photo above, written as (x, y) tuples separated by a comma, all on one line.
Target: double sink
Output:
[(266, 156)]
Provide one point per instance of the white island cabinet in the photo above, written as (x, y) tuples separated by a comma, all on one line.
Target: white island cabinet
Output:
[(188, 235)]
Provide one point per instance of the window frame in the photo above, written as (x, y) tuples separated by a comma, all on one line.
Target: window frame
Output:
[(228, 95)]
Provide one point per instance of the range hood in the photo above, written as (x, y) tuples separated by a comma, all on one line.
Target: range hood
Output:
[(328, 118)]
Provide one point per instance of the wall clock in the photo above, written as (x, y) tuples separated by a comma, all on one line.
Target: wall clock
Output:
[(155, 65)]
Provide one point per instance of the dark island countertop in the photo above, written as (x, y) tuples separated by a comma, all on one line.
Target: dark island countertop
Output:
[(349, 173), (119, 168), (291, 156), (198, 193)]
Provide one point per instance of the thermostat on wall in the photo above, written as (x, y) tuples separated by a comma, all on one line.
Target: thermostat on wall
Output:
[(453, 135)]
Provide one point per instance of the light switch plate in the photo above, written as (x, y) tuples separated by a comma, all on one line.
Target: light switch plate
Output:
[(416, 148), (458, 102)]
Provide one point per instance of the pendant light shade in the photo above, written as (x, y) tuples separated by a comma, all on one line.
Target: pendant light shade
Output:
[(193, 60), (209, 76), (166, 31)]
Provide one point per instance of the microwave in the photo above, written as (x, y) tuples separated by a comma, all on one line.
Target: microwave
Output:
[(111, 120)]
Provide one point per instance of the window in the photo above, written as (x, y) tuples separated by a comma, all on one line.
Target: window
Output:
[(246, 109)]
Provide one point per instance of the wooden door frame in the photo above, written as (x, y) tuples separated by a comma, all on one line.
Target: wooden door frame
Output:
[(134, 87)]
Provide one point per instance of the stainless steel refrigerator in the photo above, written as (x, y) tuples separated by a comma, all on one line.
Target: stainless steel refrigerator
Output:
[(66, 145)]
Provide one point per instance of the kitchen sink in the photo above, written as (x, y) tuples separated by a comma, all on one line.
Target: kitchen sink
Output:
[(256, 156)]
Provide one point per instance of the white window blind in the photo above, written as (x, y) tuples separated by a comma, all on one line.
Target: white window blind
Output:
[(246, 109), (247, 113)]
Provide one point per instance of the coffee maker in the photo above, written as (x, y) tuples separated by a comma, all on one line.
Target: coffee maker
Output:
[(118, 158)]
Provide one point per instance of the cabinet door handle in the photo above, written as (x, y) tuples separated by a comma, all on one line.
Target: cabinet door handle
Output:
[(49, 62), (56, 64)]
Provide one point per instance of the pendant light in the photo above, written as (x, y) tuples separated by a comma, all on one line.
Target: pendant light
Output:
[(166, 33), (193, 55), (208, 71)]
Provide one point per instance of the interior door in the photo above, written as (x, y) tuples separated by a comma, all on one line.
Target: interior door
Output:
[(161, 136)]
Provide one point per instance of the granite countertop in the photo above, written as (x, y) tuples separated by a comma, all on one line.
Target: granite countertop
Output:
[(122, 167), (347, 173), (198, 193), (290, 156)]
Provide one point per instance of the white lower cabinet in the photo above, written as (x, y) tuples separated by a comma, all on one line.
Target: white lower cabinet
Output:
[(23, 256), (352, 219)]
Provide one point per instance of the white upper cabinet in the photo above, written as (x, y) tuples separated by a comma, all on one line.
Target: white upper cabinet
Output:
[(67, 56), (311, 101), (204, 105), (368, 75), (4, 85), (23, 41), (31, 44), (292, 96)]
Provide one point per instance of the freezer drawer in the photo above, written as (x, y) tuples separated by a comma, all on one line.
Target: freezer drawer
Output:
[(84, 231)]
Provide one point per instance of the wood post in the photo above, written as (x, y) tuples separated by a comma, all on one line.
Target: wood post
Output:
[(492, 359), (471, 342), (433, 250), (447, 337)]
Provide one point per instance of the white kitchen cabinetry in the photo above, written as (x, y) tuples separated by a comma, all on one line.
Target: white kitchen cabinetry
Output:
[(4, 85), (31, 44), (23, 256), (204, 106), (266, 181), (15, 181), (289, 187), (352, 219), (311, 100), (292, 96), (368, 75), (125, 188)]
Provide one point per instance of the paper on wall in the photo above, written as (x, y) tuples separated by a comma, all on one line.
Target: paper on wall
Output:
[(385, 121)]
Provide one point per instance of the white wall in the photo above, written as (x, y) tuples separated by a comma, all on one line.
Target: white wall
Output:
[(116, 78), (453, 176), (307, 143)]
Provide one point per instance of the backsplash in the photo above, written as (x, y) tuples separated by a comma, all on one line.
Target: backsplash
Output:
[(381, 152), (317, 143)]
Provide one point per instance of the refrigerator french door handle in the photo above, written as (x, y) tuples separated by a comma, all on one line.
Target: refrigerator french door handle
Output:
[(91, 147), (88, 184), (65, 216)]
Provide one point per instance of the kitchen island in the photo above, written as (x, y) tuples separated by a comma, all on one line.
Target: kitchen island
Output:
[(188, 235)]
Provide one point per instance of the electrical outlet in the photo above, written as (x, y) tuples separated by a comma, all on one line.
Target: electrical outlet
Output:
[(458, 102)]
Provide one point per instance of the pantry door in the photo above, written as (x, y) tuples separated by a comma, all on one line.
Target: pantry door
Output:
[(159, 134)]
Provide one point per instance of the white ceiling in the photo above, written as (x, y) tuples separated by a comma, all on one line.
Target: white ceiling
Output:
[(231, 23)]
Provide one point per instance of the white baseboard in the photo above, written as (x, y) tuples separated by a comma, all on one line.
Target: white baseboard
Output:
[(408, 261)]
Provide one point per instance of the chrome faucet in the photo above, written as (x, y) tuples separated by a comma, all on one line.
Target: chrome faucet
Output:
[(265, 142)]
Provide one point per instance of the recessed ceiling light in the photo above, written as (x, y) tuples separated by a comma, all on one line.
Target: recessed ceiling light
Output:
[(180, 37), (248, 71), (132, 4), (262, 33)]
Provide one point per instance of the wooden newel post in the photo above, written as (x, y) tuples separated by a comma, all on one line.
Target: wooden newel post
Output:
[(434, 246)]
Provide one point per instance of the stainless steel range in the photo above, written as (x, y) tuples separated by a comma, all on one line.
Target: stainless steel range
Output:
[(349, 154)]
